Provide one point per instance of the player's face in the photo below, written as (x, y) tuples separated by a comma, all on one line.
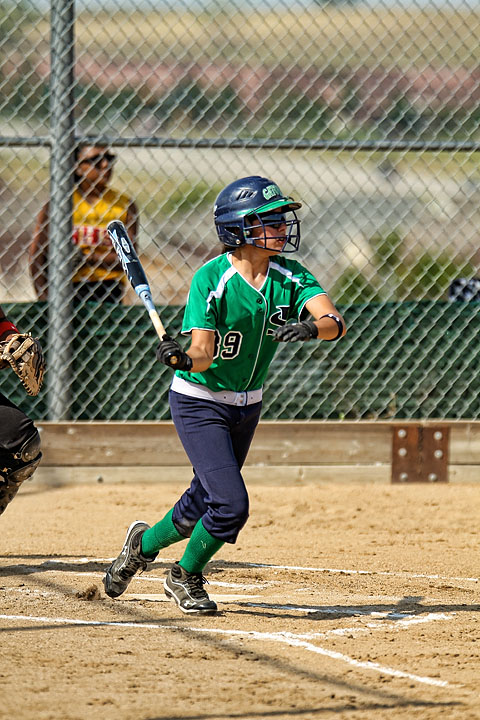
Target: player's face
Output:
[(271, 234), (95, 166), (275, 236)]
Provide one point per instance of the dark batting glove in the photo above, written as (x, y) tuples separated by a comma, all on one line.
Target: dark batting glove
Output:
[(305, 330), (170, 353)]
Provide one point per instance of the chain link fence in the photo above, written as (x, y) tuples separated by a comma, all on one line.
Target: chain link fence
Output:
[(367, 113)]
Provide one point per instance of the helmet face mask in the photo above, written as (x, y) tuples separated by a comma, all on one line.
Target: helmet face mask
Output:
[(285, 224), (256, 202)]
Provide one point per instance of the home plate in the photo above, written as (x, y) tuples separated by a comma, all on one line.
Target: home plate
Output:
[(163, 598)]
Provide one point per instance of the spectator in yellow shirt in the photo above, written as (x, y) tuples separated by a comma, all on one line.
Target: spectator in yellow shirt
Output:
[(98, 274)]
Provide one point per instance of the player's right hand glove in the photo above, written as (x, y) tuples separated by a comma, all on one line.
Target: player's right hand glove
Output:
[(305, 330), (170, 353)]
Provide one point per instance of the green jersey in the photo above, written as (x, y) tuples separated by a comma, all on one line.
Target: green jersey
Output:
[(243, 318)]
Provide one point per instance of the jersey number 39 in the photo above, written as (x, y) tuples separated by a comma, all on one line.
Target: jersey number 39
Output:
[(227, 347)]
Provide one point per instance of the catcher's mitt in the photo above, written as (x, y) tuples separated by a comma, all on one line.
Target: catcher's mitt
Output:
[(24, 355)]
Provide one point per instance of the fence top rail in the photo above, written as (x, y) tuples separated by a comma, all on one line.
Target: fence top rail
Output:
[(253, 143), (324, 424)]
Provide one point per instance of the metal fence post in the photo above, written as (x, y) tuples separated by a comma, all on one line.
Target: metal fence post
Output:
[(62, 133)]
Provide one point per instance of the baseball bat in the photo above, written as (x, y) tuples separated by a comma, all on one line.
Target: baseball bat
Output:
[(135, 273)]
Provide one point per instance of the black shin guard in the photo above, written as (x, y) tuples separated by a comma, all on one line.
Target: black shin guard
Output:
[(18, 467)]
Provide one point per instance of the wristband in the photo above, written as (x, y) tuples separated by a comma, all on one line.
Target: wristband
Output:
[(6, 326), (339, 326)]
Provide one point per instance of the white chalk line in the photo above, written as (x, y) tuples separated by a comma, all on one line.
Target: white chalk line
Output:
[(282, 637), (402, 619), (300, 568), (360, 572), (163, 598), (154, 579), (334, 610), (401, 624)]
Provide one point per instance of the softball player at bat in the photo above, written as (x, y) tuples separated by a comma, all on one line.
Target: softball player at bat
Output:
[(240, 306)]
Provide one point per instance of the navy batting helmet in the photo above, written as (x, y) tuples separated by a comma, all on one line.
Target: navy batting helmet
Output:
[(252, 202)]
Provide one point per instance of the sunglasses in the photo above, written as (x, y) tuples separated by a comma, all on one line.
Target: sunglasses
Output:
[(98, 159), (273, 219)]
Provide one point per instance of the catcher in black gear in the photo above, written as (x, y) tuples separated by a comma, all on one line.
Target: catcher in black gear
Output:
[(19, 438)]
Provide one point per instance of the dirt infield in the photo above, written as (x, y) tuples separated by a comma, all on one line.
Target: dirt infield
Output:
[(338, 601)]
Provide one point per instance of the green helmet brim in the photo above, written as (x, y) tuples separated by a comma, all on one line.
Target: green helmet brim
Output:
[(287, 203)]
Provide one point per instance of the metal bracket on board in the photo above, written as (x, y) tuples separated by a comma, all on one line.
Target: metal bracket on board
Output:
[(420, 454)]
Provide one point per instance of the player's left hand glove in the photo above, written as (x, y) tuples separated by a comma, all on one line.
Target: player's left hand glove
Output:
[(24, 355), (305, 330), (170, 353)]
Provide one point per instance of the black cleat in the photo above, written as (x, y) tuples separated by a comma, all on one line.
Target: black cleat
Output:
[(187, 590), (121, 571)]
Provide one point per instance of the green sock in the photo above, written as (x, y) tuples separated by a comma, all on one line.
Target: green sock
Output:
[(200, 549), (161, 535)]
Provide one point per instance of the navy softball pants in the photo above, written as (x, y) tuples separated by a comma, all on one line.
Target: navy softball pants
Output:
[(216, 438)]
